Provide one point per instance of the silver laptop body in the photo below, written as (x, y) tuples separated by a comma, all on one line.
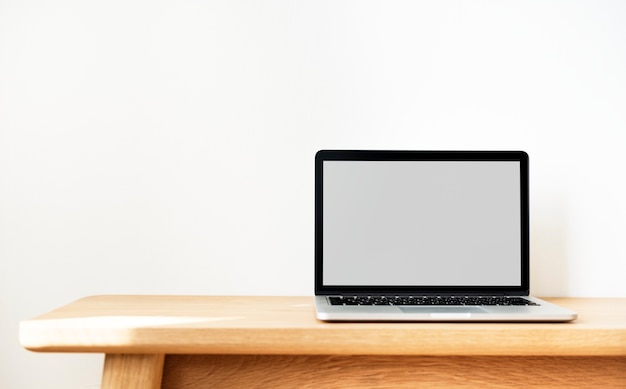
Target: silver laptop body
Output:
[(424, 236)]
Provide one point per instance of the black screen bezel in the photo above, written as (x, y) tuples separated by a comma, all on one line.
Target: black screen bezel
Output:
[(387, 155)]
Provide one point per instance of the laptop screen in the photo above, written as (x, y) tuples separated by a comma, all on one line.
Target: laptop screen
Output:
[(421, 219)]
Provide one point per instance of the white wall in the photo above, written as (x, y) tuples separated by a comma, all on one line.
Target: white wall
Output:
[(167, 146)]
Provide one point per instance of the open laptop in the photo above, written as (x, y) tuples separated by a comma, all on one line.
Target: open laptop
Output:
[(424, 236)]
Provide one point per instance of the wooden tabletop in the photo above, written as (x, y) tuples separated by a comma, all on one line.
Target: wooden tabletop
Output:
[(287, 325)]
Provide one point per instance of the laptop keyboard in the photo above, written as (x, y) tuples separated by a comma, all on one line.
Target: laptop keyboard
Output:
[(430, 300)]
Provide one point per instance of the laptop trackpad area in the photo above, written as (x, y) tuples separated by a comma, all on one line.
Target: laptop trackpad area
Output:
[(444, 312)]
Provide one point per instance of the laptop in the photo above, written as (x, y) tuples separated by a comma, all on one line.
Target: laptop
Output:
[(424, 236)]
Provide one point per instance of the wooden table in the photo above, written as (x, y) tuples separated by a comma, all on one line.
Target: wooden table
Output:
[(245, 342)]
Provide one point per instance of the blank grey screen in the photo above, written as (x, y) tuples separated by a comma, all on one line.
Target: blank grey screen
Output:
[(430, 223)]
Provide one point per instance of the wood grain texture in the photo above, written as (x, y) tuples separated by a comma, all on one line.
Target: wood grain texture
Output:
[(287, 325), (299, 371), (138, 371)]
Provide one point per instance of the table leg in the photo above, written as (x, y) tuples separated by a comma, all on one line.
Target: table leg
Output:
[(140, 371)]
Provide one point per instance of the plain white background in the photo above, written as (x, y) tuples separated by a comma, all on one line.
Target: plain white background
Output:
[(167, 146)]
